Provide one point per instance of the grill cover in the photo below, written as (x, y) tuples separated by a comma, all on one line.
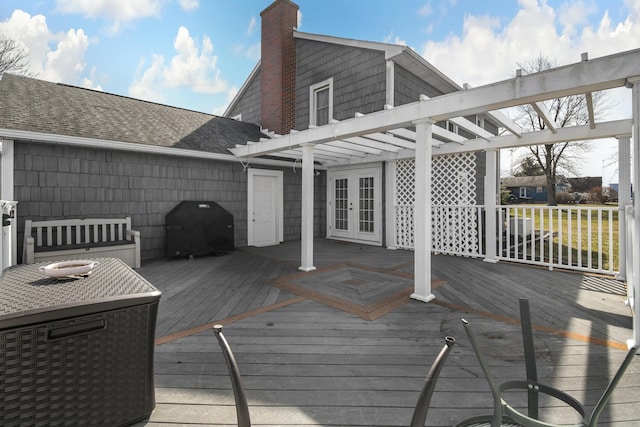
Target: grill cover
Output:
[(198, 228)]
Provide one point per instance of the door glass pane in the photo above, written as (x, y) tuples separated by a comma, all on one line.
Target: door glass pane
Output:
[(365, 204), (342, 204)]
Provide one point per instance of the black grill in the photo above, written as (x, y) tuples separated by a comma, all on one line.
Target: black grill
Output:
[(198, 228)]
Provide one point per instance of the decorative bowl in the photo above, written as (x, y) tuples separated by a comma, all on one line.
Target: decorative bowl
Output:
[(72, 268)]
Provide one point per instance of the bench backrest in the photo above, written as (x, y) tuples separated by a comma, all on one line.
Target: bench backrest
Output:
[(65, 232)]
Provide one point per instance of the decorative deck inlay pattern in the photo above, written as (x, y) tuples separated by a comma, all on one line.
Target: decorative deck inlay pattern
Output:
[(361, 290)]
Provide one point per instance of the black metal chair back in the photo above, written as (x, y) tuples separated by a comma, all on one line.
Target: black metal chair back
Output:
[(505, 414), (420, 411)]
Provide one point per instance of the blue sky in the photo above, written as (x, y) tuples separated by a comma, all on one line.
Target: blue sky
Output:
[(196, 54)]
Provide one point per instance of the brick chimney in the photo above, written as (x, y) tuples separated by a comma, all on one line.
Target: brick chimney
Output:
[(278, 66)]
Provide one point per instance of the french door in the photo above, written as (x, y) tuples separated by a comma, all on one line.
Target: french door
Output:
[(354, 204)]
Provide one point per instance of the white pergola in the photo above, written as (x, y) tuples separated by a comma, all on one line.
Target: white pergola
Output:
[(383, 136)]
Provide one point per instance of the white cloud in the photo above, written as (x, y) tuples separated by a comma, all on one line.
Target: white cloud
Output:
[(394, 40), (116, 11), (66, 62), (575, 14), (144, 86), (191, 67), (634, 7), (231, 93), (54, 57), (426, 9), (252, 26), (89, 82), (489, 50), (189, 5)]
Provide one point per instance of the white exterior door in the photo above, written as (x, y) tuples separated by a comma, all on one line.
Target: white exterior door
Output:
[(265, 208), (354, 204)]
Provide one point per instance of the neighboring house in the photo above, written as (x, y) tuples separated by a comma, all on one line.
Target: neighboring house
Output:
[(69, 152), (585, 184), (308, 80), (533, 188)]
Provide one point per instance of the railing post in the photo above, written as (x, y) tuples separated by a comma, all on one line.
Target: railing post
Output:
[(490, 201), (635, 108), (624, 199)]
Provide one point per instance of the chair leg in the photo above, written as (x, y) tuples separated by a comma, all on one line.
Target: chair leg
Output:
[(422, 407), (495, 392), (529, 357), (593, 420), (242, 408)]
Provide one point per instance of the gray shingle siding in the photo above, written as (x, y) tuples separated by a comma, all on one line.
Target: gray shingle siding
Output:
[(490, 127), (249, 104), (358, 78), (408, 87), (481, 170), (59, 181)]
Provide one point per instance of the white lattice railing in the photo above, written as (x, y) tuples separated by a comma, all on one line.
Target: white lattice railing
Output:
[(453, 189), (577, 238), (404, 227), (456, 230)]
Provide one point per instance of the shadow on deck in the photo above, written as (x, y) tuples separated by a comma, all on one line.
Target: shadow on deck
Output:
[(345, 345)]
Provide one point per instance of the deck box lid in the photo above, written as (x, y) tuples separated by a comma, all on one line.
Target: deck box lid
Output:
[(28, 296)]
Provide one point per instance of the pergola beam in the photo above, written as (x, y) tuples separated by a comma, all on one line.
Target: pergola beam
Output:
[(597, 74), (616, 128)]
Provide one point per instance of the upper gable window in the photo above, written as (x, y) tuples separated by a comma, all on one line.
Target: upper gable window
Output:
[(321, 105)]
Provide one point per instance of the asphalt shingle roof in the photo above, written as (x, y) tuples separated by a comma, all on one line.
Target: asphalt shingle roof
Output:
[(38, 106)]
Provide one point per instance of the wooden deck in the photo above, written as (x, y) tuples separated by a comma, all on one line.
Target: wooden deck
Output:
[(345, 346)]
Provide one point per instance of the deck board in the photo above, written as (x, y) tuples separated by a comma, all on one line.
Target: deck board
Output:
[(308, 363)]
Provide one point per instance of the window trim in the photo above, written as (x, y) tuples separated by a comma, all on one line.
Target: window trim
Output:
[(315, 88)]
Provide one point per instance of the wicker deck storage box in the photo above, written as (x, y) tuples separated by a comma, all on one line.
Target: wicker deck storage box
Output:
[(76, 351)]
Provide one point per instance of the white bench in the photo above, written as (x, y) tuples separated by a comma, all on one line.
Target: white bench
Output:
[(64, 239)]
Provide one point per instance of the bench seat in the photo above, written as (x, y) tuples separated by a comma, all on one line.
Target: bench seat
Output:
[(66, 239)]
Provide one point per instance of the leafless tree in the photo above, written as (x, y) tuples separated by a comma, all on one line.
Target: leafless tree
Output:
[(563, 157), (13, 56)]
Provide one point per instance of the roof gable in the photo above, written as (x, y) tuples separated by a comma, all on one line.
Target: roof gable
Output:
[(402, 55), (38, 106)]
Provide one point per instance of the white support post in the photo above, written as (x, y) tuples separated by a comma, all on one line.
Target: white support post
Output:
[(490, 197), (8, 239), (306, 238), (422, 212), (390, 191), (624, 200), (635, 108)]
